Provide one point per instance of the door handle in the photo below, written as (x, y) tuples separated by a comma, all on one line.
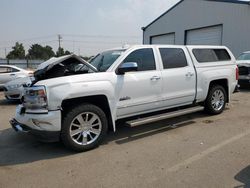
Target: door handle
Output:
[(189, 74), (12, 74), (155, 78)]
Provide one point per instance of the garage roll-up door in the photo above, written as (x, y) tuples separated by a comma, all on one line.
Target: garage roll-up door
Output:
[(205, 36), (163, 39)]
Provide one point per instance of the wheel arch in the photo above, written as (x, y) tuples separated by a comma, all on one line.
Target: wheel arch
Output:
[(99, 100), (222, 82)]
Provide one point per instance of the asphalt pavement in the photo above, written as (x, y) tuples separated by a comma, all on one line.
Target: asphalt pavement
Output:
[(195, 150)]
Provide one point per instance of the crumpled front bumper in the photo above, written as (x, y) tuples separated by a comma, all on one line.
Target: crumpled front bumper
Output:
[(44, 136), (44, 126)]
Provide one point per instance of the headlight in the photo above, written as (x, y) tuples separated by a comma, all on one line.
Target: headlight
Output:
[(14, 86), (35, 98)]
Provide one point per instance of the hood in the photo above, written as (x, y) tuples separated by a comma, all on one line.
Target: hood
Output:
[(20, 81), (62, 66), (243, 62), (49, 64)]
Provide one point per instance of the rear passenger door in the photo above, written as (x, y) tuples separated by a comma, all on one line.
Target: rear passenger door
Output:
[(179, 77), (140, 91)]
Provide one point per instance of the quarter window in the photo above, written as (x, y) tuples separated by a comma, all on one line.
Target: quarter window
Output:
[(14, 70), (143, 57), (173, 58), (211, 55)]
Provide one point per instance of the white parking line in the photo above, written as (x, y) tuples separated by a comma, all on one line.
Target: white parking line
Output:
[(206, 152)]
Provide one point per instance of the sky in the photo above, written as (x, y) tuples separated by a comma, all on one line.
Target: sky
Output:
[(86, 26)]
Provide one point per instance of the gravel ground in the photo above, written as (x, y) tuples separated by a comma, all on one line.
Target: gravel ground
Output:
[(190, 151)]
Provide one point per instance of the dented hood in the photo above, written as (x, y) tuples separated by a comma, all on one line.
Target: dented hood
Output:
[(46, 69), (49, 64)]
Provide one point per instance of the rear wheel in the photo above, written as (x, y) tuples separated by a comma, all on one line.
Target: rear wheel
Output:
[(84, 127), (216, 100)]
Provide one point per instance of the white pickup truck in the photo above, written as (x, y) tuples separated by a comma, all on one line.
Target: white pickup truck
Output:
[(77, 102)]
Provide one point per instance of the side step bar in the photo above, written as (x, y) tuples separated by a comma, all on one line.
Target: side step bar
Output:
[(141, 121)]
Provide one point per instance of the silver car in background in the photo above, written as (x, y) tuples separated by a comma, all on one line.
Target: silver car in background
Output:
[(10, 72), (14, 90)]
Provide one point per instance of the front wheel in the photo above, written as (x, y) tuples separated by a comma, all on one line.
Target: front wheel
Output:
[(84, 127), (216, 100)]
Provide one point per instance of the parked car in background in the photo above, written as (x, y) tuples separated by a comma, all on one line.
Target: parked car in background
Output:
[(10, 72), (82, 101), (14, 90), (243, 62)]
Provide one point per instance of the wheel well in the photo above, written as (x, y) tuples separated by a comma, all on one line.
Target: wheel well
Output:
[(99, 100), (223, 83)]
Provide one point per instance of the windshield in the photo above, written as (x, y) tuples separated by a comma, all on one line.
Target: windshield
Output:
[(104, 60), (244, 56)]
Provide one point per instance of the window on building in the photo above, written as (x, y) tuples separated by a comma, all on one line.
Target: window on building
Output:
[(173, 58)]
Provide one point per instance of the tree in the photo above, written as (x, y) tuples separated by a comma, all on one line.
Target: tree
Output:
[(18, 52), (67, 52), (61, 52), (49, 51), (37, 51)]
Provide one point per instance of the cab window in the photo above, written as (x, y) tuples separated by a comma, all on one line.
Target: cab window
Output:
[(144, 58), (173, 58), (211, 55)]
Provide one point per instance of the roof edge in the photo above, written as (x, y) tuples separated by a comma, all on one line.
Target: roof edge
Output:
[(223, 1), (232, 1), (143, 28)]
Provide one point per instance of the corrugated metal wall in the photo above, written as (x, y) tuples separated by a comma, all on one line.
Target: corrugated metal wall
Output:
[(163, 39), (192, 14)]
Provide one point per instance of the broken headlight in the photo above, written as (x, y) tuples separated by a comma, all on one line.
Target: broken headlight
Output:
[(35, 98)]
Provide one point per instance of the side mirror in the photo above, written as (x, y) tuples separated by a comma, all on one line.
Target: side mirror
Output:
[(127, 67)]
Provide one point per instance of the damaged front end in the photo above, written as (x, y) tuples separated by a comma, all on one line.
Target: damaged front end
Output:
[(62, 66), (244, 75)]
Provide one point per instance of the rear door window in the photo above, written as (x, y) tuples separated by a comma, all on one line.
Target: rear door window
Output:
[(173, 58), (5, 70), (211, 55)]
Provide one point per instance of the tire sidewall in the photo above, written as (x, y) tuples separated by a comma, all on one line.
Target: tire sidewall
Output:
[(66, 122), (208, 105)]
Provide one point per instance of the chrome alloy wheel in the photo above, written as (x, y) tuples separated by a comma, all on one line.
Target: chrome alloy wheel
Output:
[(218, 100), (85, 128)]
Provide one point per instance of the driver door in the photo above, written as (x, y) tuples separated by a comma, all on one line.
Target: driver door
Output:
[(139, 91)]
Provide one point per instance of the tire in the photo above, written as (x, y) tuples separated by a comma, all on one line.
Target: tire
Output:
[(216, 100), (84, 127)]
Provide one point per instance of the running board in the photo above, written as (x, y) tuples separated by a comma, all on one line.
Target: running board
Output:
[(150, 119)]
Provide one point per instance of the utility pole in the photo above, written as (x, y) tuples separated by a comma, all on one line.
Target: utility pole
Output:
[(59, 40), (5, 53)]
